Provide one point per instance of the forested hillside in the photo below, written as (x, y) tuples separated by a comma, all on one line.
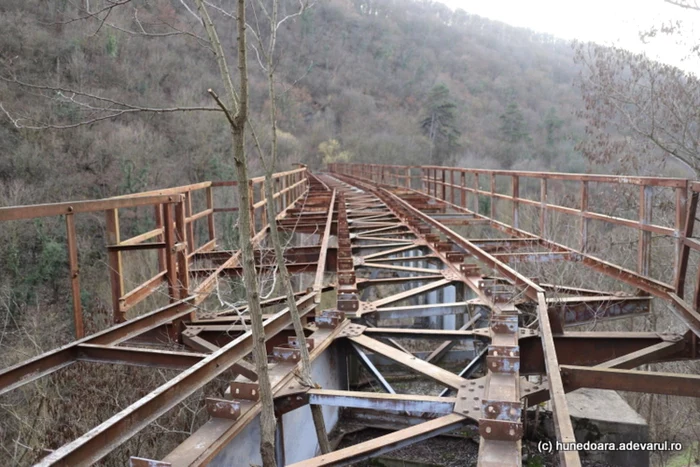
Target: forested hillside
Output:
[(368, 74)]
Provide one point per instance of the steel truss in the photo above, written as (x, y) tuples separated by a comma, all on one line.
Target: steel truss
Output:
[(396, 232)]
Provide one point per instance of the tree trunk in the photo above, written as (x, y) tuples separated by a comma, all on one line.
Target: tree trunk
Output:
[(285, 281), (238, 127)]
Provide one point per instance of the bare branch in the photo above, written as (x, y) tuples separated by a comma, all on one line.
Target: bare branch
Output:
[(229, 117), (95, 14), (17, 122), (684, 4), (199, 19)]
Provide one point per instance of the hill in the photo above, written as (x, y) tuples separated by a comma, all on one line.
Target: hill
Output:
[(359, 72)]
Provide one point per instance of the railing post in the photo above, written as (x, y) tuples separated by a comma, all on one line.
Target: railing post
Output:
[(462, 191), (515, 180), (681, 201), (210, 218), (644, 244), (170, 252), (584, 220), (444, 186), (158, 214), (74, 276), (493, 198), (684, 254), (543, 208), (115, 263), (182, 247), (189, 225), (476, 193)]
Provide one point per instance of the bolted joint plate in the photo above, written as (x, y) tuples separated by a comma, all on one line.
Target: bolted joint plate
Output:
[(348, 302), (500, 430), (503, 359), (502, 410), (245, 391), (294, 342), (504, 324), (329, 319), (451, 275), (352, 330), (223, 408), (469, 397)]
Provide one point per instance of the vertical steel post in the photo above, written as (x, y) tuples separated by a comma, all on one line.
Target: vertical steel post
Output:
[(543, 208), (74, 276), (492, 213), (210, 218), (516, 195), (646, 194), (170, 263), (115, 263), (584, 221)]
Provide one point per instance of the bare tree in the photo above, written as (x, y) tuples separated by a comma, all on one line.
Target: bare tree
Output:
[(266, 58), (236, 111), (636, 107)]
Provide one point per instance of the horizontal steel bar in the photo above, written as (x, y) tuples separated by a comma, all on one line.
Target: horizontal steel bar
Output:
[(380, 401), (387, 443), (671, 384), (75, 207)]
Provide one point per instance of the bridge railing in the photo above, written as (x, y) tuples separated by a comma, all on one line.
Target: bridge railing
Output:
[(656, 209), (176, 213)]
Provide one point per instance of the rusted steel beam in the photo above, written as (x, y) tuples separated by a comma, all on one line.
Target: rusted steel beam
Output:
[(32, 369), (560, 408), (392, 267), (74, 276), (137, 247), (75, 207), (213, 436), (537, 257), (421, 311), (138, 294), (653, 353), (407, 259), (115, 263), (138, 357), (431, 371), (102, 439), (647, 284), (411, 292), (421, 333), (631, 380), (379, 401), (391, 251), (363, 283), (595, 348), (684, 253), (387, 443), (579, 310), (321, 267)]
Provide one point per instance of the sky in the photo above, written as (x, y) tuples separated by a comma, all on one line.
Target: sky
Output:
[(607, 22)]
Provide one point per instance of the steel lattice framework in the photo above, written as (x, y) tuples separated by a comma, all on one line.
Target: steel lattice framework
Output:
[(398, 229)]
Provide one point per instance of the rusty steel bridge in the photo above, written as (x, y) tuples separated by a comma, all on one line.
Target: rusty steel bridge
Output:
[(488, 235)]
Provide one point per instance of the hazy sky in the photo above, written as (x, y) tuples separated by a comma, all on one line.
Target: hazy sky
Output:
[(609, 22)]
